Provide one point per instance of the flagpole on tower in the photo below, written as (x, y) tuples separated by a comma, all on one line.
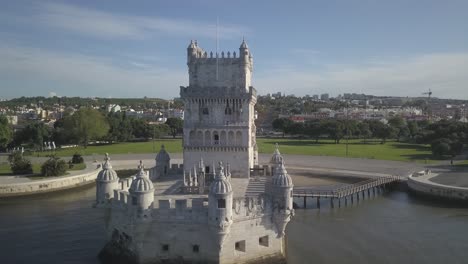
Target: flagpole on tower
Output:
[(217, 45)]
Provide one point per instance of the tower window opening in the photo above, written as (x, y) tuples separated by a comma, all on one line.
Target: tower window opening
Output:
[(196, 248), (263, 241), (205, 111), (240, 246), (221, 203), (207, 169), (216, 139), (165, 247)]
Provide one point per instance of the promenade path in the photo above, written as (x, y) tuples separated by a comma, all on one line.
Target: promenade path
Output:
[(295, 164)]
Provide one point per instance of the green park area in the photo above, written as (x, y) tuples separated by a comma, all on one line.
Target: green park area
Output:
[(391, 150), (5, 169)]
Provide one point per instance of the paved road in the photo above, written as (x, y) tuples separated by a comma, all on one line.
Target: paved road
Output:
[(453, 178), (320, 165)]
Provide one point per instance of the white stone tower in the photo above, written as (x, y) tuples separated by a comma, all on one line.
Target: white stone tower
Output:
[(219, 110), (106, 182), (141, 190), (220, 205)]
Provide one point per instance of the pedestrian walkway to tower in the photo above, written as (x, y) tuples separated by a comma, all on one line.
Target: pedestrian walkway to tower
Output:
[(347, 192)]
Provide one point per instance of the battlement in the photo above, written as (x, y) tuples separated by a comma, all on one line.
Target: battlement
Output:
[(219, 69), (196, 209), (125, 183), (228, 56)]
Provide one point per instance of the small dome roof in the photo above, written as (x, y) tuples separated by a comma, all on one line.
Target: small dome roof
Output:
[(281, 177), (276, 159), (220, 184), (244, 45), (142, 183), (162, 155), (107, 174)]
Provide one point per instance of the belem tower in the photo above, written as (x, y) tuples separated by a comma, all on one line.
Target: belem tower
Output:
[(220, 205)]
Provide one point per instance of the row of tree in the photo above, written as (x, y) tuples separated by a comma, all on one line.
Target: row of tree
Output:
[(445, 137), (336, 129), (84, 126)]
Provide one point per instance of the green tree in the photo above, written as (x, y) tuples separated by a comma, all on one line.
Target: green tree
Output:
[(175, 125), (282, 124), (381, 130), (6, 132), (34, 135), (159, 131), (363, 130), (335, 129), (399, 127), (441, 147), (313, 130), (141, 129), (85, 125), (413, 129)]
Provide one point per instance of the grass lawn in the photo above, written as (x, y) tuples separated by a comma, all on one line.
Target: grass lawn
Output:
[(356, 148), (462, 164), (172, 145)]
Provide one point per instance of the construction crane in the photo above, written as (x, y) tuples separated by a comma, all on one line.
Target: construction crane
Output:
[(429, 93)]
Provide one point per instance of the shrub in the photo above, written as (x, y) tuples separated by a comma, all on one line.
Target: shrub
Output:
[(19, 165), (77, 158), (54, 167)]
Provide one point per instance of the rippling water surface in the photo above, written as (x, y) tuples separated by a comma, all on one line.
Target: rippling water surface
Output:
[(393, 228)]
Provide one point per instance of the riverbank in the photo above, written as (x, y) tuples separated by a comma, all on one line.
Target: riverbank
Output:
[(11, 186), (430, 184)]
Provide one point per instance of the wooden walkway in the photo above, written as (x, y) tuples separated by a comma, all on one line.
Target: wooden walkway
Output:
[(348, 191)]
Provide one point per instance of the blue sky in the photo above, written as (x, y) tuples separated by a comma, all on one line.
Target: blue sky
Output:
[(138, 48)]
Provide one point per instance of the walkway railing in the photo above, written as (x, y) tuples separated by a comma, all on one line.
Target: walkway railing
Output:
[(347, 191)]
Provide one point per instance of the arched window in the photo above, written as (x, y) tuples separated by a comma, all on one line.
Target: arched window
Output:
[(238, 138), (207, 138), (231, 139), (191, 137), (227, 110), (222, 138), (215, 138)]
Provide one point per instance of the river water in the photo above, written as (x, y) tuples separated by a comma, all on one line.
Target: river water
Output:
[(391, 228)]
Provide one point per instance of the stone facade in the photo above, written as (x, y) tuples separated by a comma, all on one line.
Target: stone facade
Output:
[(219, 110), (201, 212)]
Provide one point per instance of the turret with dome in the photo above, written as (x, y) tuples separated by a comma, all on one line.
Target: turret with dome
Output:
[(142, 189), (106, 181)]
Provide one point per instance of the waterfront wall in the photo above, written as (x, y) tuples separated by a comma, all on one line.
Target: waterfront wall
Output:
[(438, 190), (48, 185)]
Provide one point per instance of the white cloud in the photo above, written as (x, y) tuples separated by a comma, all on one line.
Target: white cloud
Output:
[(444, 73), (35, 71), (109, 25)]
